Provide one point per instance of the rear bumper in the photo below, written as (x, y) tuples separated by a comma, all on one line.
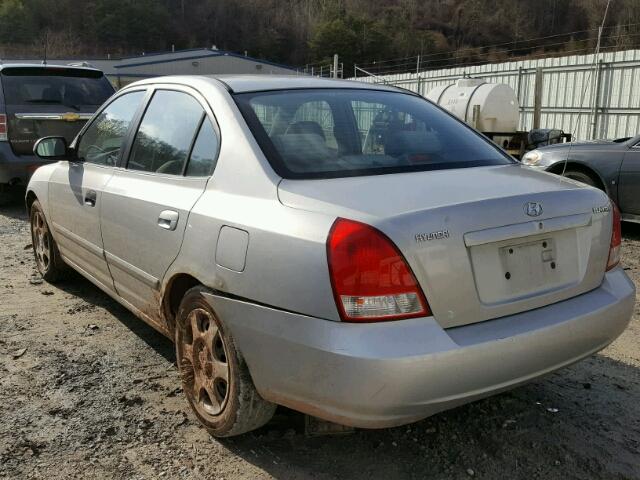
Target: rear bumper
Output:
[(387, 374), (16, 169)]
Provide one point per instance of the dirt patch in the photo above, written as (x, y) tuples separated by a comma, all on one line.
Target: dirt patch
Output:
[(89, 391)]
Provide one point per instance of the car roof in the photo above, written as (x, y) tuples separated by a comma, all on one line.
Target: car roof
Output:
[(47, 66), (258, 83)]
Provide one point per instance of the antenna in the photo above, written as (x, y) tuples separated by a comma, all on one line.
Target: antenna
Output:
[(596, 54), (46, 41)]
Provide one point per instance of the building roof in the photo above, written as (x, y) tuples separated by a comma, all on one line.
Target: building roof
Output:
[(182, 55), (122, 66)]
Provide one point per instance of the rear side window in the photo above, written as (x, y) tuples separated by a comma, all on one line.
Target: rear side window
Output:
[(102, 141), (205, 152), (323, 133), (166, 133), (71, 88)]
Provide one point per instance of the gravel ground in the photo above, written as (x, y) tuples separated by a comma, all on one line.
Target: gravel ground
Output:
[(88, 391)]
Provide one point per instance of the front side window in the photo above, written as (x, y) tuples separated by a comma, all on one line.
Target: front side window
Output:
[(166, 132), (323, 133), (104, 139)]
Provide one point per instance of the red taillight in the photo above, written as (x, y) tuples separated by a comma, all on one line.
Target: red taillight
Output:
[(3, 127), (616, 238), (371, 280)]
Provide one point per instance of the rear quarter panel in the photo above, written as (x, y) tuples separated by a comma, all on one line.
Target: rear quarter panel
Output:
[(286, 265)]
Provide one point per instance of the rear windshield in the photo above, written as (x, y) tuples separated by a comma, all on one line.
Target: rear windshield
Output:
[(72, 88), (326, 133)]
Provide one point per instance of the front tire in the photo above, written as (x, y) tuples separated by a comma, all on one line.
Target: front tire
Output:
[(48, 259), (581, 177), (215, 378)]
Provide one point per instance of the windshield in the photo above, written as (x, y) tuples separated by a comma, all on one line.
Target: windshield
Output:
[(326, 133), (71, 88)]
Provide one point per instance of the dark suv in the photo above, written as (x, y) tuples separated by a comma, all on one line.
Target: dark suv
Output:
[(38, 101)]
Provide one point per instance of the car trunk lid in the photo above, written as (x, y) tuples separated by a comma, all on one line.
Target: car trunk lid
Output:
[(483, 242)]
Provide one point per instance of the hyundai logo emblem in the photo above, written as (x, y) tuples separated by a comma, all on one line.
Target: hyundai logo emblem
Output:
[(533, 209)]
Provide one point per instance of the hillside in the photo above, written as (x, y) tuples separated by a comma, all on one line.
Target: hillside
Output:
[(299, 32)]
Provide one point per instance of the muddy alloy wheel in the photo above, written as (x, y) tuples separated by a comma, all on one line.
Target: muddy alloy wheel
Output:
[(48, 260), (204, 363), (215, 378), (41, 239)]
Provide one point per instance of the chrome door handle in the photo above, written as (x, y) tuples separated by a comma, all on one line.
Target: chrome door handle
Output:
[(90, 198), (168, 219)]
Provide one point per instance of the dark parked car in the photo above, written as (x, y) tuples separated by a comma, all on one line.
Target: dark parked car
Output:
[(38, 101), (610, 165)]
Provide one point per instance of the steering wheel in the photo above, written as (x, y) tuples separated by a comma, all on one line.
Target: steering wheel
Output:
[(110, 156)]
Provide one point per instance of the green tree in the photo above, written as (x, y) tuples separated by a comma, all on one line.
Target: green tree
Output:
[(16, 22), (354, 39), (142, 24)]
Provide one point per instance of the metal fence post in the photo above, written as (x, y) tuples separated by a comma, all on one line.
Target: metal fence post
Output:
[(594, 121), (519, 97), (537, 100)]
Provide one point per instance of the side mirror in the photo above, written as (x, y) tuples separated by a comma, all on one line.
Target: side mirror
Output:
[(52, 148)]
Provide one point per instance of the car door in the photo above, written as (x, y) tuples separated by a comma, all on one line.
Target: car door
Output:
[(75, 188), (629, 182), (146, 204)]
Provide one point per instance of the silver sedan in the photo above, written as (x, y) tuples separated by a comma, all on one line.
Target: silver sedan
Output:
[(350, 251)]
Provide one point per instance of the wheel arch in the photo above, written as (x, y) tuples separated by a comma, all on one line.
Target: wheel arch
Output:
[(559, 168), (175, 289), (29, 199)]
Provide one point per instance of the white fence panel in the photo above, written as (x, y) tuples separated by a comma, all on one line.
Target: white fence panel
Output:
[(589, 100)]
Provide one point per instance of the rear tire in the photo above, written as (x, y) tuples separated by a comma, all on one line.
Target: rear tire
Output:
[(215, 378), (581, 177), (48, 259)]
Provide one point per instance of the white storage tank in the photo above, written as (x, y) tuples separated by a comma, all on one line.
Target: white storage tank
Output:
[(495, 104)]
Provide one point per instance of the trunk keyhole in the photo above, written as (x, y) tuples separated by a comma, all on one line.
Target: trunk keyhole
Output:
[(507, 275)]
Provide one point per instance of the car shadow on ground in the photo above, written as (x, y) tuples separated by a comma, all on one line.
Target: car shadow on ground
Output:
[(82, 288), (15, 209), (631, 231)]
